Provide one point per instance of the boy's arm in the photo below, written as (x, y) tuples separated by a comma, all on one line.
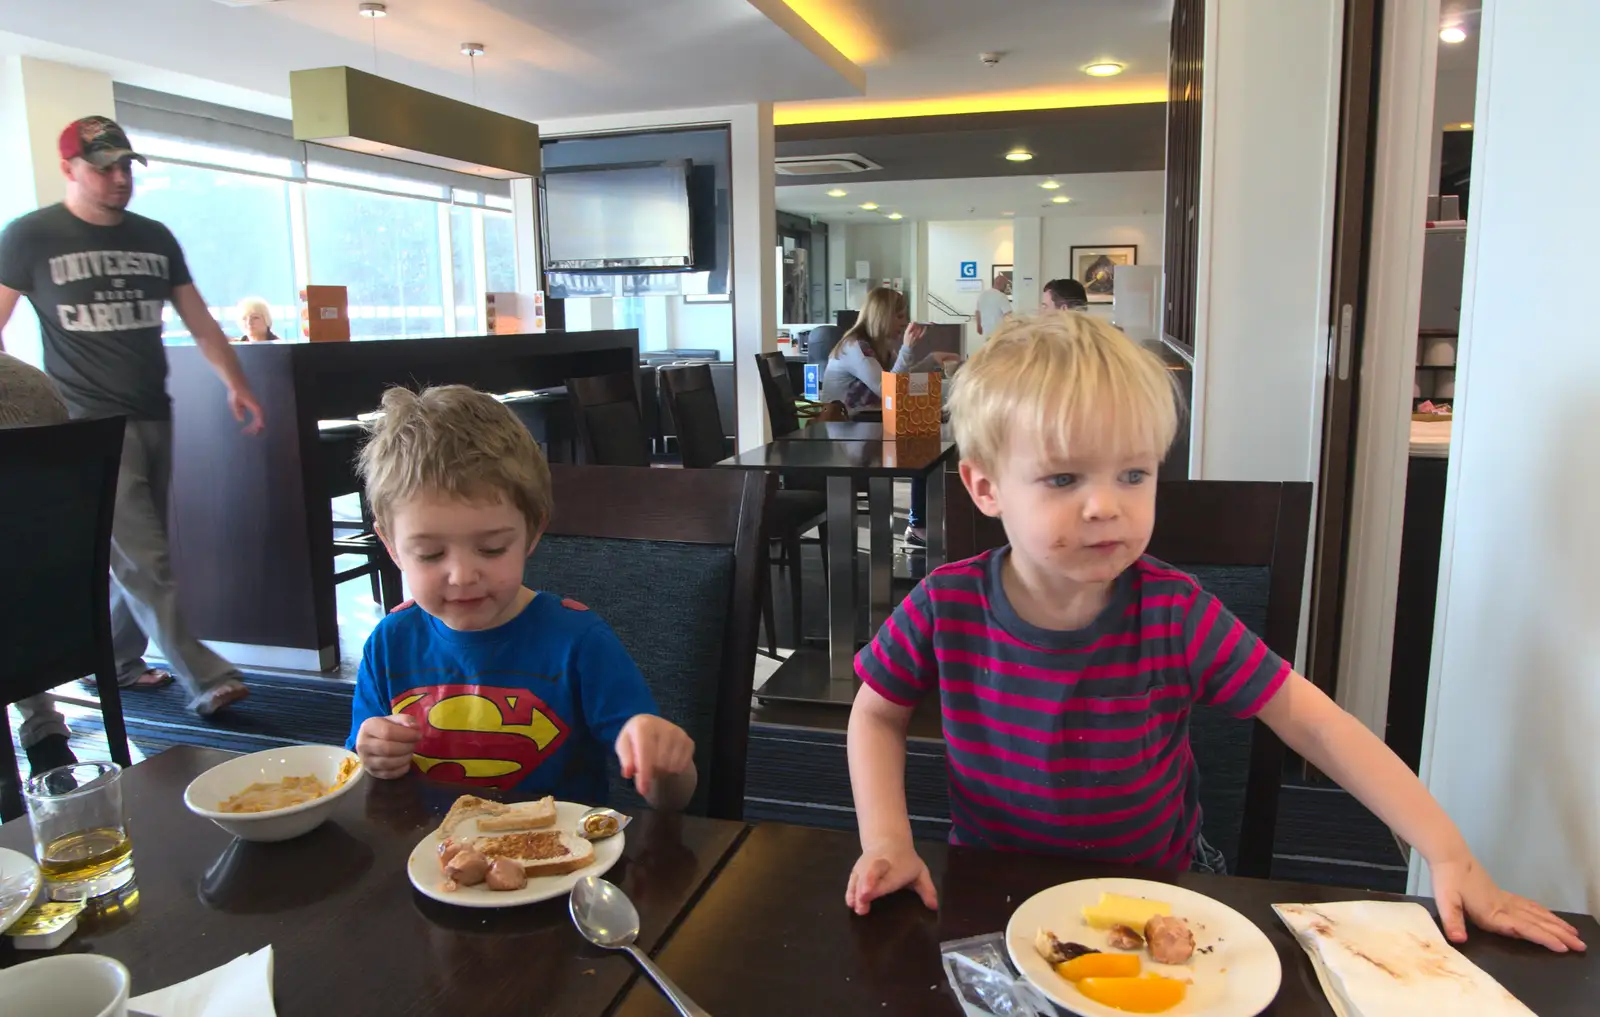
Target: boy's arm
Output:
[(1340, 746)]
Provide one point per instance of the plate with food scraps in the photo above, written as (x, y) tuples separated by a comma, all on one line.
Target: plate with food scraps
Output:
[(1119, 946), (20, 882), (545, 840)]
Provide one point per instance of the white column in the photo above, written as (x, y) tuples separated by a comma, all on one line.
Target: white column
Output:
[(1267, 146), (525, 226), (839, 268), (755, 235), (1514, 700), (37, 99), (918, 272), (1027, 284)]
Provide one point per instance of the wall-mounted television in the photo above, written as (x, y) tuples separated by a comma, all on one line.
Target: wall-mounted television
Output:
[(627, 218)]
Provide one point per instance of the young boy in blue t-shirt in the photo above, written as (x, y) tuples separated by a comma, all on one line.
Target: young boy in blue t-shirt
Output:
[(484, 682)]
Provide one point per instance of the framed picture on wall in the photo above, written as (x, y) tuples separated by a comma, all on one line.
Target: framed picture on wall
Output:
[(1000, 278), (1095, 267)]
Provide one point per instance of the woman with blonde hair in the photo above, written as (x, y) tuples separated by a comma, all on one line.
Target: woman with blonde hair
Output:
[(255, 321)]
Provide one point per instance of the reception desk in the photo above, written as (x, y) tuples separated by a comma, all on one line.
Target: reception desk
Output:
[(251, 523)]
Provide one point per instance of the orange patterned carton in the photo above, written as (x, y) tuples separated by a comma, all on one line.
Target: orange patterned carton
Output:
[(905, 449), (327, 313), (911, 404)]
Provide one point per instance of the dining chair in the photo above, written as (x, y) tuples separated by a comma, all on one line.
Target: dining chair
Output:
[(689, 390), (55, 605), (1246, 543), (671, 559), (783, 413), (610, 426), (357, 537)]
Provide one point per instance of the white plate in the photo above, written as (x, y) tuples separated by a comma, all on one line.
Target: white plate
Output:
[(1238, 978), (428, 878), (19, 885)]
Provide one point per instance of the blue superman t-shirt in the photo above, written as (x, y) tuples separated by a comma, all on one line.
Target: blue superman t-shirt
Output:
[(534, 705)]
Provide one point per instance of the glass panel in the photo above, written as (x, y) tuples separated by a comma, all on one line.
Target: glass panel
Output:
[(376, 181), (500, 252), (155, 145), (464, 270), (235, 234), (386, 250)]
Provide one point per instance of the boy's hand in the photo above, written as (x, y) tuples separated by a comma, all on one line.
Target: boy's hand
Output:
[(650, 747), (1464, 886), (880, 872), (385, 743)]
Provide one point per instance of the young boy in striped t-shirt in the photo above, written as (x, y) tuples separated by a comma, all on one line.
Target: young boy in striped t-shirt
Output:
[(1067, 662)]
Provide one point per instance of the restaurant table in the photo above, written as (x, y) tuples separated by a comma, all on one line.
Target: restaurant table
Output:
[(349, 933), (849, 430), (772, 936), (809, 676)]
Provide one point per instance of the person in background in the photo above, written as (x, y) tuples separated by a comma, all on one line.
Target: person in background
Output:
[(993, 306), (98, 277), (854, 373), (255, 321), (1065, 295)]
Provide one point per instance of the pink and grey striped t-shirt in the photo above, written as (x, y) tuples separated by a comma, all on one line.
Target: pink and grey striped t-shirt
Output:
[(1073, 743)]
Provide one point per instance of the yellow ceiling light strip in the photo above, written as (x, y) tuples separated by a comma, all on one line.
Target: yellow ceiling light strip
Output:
[(1123, 94), (842, 26)]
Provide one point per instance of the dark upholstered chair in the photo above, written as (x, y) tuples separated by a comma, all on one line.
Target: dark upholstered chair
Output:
[(782, 412), (671, 559), (820, 342), (689, 390), (55, 605), (1246, 543), (605, 411), (340, 448)]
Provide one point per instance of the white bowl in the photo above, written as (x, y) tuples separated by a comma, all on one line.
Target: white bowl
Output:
[(67, 985), (209, 790)]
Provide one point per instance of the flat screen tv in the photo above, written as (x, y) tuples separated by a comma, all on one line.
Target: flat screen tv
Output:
[(618, 218)]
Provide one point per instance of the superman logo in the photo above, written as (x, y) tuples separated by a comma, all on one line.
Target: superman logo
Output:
[(481, 735)]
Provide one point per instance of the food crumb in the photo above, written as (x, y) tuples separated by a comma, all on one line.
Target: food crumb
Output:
[(588, 971)]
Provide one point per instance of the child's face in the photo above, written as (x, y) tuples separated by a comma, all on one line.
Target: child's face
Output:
[(462, 560), (1085, 518)]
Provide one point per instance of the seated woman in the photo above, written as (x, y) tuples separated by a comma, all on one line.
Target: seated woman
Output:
[(255, 321), (854, 372)]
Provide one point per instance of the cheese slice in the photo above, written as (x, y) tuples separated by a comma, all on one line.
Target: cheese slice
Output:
[(1115, 909)]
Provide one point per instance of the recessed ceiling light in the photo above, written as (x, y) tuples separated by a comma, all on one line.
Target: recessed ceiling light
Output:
[(869, 205), (1008, 213), (1452, 34), (1019, 155), (1104, 69), (372, 10), (894, 215), (1050, 185), (837, 192), (1060, 199), (1466, 127), (472, 49)]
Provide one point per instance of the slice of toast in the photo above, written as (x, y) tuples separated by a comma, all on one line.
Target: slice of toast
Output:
[(468, 807), (540, 853), (520, 816)]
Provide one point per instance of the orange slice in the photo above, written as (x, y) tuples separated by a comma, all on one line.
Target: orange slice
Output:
[(1149, 994), (1099, 965)]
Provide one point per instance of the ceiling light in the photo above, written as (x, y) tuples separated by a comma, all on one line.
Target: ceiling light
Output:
[(869, 205), (472, 49), (1019, 155), (1453, 34), (1008, 213), (1104, 69), (837, 192), (1466, 127), (894, 215), (372, 10), (1060, 199), (1050, 185)]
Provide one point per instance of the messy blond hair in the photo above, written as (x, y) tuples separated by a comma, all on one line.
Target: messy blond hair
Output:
[(1071, 381), (874, 326), (457, 442)]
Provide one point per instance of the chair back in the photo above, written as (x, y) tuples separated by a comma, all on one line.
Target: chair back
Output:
[(671, 559), (689, 391), (1245, 543), (820, 342), (779, 393), (605, 411)]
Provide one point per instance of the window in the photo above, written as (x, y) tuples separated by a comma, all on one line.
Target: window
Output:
[(500, 251), (465, 270), (386, 250)]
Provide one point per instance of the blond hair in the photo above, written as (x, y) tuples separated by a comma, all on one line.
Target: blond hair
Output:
[(875, 324), (457, 442), (1071, 381), (249, 304)]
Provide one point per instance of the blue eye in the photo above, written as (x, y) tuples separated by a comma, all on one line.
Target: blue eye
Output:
[(1135, 476), (1060, 480)]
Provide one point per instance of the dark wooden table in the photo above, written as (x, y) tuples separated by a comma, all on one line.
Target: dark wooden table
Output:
[(807, 676), (772, 935), (848, 430), (349, 933)]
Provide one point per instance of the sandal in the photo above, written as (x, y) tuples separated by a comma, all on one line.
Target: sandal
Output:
[(149, 678), (219, 697)]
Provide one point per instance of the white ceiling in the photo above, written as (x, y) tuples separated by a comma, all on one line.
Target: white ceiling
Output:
[(545, 59), (1092, 194)]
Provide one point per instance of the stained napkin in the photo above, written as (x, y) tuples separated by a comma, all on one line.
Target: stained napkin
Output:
[(1389, 959), (240, 988)]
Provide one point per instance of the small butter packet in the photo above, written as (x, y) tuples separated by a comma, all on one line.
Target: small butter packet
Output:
[(46, 926)]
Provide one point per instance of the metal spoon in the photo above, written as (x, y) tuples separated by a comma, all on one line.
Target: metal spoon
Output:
[(607, 918)]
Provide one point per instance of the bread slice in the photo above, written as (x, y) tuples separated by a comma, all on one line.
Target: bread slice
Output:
[(469, 807), (540, 853), (520, 816)]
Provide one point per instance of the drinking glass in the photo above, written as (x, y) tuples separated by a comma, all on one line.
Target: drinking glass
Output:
[(80, 835)]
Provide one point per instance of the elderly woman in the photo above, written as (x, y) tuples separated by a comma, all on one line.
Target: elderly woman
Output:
[(255, 321)]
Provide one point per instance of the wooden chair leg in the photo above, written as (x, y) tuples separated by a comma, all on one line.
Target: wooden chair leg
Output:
[(791, 546), (767, 609)]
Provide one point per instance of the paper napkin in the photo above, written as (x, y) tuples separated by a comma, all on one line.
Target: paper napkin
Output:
[(240, 988)]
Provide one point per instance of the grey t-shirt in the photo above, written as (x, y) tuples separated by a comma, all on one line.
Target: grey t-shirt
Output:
[(99, 292)]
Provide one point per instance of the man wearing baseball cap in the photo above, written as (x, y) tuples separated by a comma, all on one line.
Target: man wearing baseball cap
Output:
[(99, 278)]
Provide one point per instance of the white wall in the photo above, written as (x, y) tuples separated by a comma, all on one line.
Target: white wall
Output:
[(1454, 102), (700, 326), (1267, 173), (883, 245), (1514, 701), (986, 241), (1063, 232)]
